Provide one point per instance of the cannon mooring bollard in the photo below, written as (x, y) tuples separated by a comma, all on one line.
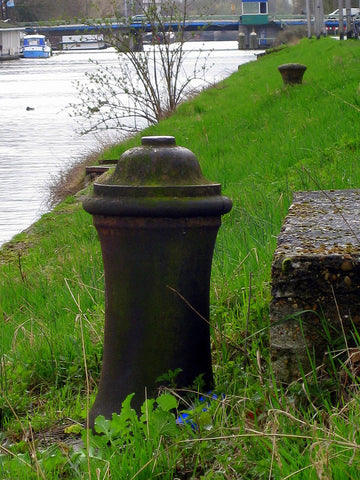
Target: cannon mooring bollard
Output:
[(157, 219), (292, 73)]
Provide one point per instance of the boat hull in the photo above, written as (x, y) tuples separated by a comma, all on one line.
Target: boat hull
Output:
[(36, 54), (83, 42)]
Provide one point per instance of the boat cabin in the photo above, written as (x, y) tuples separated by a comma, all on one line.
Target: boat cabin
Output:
[(34, 40)]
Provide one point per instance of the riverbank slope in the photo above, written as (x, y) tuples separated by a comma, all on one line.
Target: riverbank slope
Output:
[(262, 141)]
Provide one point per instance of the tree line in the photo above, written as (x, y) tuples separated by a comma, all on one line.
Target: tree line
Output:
[(43, 10)]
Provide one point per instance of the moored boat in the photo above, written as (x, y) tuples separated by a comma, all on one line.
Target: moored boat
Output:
[(83, 42), (36, 46)]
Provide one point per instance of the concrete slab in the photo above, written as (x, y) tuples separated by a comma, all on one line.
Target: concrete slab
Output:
[(315, 280)]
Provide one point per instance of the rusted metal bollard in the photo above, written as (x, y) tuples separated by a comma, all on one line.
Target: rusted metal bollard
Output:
[(157, 219), (292, 73)]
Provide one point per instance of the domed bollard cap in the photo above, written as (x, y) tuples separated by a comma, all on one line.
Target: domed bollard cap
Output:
[(157, 218), (153, 180)]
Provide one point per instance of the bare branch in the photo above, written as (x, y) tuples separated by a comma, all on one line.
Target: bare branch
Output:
[(145, 86)]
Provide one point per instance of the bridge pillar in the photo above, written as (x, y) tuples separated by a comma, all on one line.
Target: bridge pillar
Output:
[(137, 42), (244, 33), (241, 41), (266, 34), (253, 40), (217, 36)]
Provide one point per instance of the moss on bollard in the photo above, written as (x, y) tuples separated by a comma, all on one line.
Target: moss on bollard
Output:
[(157, 219)]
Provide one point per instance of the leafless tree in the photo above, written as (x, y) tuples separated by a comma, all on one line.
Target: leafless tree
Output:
[(149, 80)]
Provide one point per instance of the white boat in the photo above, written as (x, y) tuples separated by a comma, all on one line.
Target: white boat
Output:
[(83, 42), (36, 46)]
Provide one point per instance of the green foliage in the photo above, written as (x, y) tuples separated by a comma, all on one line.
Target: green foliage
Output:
[(170, 377), (262, 141)]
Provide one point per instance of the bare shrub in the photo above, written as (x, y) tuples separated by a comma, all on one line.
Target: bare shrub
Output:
[(149, 80)]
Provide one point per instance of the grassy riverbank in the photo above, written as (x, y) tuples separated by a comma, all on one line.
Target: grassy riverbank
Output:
[(262, 141)]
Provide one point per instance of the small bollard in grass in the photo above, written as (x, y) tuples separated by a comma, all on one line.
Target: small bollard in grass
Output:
[(292, 73), (157, 219)]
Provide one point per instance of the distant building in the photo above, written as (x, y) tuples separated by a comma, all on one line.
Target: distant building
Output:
[(254, 12), (10, 41), (148, 3), (155, 3)]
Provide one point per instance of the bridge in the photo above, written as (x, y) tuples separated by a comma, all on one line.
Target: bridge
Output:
[(266, 26)]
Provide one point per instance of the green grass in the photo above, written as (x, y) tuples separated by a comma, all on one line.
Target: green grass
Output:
[(262, 141)]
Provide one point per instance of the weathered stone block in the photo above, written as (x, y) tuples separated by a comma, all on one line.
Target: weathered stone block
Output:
[(315, 280)]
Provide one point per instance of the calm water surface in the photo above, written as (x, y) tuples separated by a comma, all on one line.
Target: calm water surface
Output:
[(35, 145)]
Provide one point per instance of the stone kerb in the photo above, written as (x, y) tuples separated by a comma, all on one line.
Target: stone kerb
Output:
[(315, 280)]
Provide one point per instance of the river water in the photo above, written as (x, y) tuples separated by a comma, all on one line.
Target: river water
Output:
[(38, 142)]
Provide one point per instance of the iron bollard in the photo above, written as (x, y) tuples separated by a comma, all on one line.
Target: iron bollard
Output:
[(157, 219), (292, 73)]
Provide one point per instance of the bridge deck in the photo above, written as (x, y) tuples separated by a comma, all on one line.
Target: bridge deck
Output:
[(215, 22)]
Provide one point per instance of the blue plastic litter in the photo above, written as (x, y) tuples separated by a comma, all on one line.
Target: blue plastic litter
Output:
[(186, 418)]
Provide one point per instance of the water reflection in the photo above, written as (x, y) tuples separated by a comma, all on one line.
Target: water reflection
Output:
[(37, 143)]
